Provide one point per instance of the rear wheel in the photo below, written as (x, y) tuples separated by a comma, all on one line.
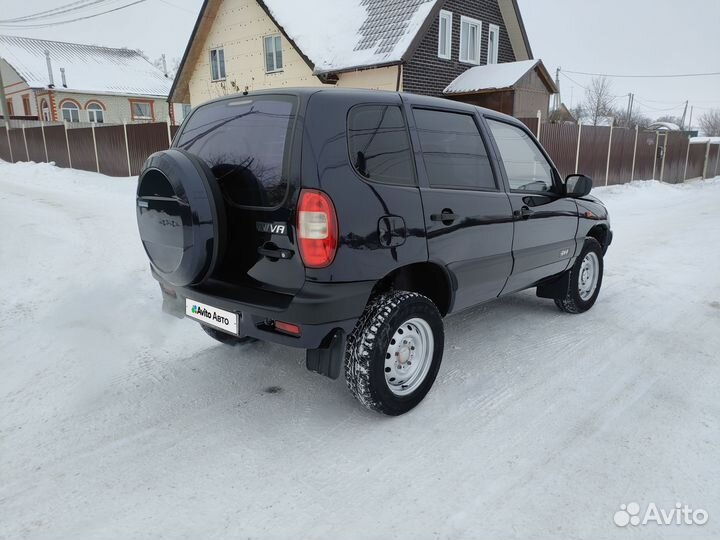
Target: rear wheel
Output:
[(394, 353), (584, 280), (225, 338)]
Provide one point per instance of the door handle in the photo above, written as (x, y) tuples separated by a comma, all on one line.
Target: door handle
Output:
[(447, 217), (523, 213), (273, 252)]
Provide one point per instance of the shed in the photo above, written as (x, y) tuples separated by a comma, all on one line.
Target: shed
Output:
[(520, 89)]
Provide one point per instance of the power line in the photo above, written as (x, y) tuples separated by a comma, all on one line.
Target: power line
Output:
[(674, 76), (67, 8), (58, 23)]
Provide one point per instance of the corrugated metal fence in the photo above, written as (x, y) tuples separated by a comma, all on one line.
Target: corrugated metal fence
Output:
[(115, 150), (607, 155), (611, 155)]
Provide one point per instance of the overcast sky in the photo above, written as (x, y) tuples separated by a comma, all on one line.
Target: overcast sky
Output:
[(624, 37)]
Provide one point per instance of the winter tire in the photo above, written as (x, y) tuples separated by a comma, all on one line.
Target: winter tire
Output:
[(394, 352), (224, 337), (584, 280)]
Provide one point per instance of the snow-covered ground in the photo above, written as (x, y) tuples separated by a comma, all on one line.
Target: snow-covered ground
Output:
[(117, 421)]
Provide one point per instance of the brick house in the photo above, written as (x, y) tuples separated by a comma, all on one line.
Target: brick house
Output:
[(418, 46), (56, 81)]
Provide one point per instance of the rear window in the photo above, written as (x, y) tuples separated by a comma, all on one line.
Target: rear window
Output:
[(244, 142), (379, 144)]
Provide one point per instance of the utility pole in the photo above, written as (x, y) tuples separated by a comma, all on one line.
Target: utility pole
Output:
[(691, 113), (682, 122), (557, 83), (631, 101)]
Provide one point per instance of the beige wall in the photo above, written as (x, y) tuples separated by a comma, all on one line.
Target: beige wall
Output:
[(15, 88), (239, 28), (117, 108)]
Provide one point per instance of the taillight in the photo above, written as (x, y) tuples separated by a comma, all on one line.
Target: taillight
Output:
[(317, 228)]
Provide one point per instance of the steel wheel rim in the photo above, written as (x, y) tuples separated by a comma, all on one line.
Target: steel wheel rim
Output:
[(589, 275), (409, 356)]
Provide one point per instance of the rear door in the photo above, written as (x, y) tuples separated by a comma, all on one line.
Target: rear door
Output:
[(250, 147), (545, 221), (468, 217)]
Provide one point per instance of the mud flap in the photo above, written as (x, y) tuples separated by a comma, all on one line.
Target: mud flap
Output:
[(328, 359), (555, 288)]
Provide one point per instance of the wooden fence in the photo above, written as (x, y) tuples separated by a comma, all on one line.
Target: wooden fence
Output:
[(611, 155), (608, 155)]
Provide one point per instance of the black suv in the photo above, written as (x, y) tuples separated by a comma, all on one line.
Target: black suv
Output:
[(350, 222)]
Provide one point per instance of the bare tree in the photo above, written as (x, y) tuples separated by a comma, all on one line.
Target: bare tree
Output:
[(710, 123), (598, 100)]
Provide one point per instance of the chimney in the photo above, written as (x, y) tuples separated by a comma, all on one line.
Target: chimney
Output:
[(62, 76), (164, 65), (51, 80)]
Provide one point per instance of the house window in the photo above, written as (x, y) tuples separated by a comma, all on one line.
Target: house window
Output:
[(445, 35), (70, 112), (45, 110), (273, 53), (26, 105), (96, 114), (217, 64), (141, 110), (10, 110), (470, 32), (493, 44)]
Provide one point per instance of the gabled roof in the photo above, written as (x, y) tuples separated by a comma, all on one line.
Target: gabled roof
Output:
[(88, 68), (498, 77), (345, 35)]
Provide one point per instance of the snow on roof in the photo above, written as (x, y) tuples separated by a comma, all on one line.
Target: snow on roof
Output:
[(88, 68), (490, 77), (704, 140), (346, 34), (664, 126)]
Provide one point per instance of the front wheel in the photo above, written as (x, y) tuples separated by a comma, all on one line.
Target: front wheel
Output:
[(394, 352), (584, 280)]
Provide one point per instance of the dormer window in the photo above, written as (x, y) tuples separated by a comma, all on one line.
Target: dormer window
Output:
[(445, 35), (273, 53)]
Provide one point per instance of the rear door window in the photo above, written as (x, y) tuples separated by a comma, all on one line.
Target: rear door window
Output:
[(379, 144), (453, 150), (245, 143)]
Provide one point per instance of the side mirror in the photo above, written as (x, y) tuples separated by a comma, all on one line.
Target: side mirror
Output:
[(578, 185)]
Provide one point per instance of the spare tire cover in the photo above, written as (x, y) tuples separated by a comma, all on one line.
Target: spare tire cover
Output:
[(181, 216)]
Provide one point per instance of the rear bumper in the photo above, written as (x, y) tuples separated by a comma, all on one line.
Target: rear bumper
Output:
[(319, 309)]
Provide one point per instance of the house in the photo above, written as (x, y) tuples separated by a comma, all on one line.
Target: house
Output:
[(519, 89), (56, 81), (418, 46)]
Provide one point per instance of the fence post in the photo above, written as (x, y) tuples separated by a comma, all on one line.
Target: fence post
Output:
[(42, 129), (97, 161), (539, 119), (169, 134), (632, 174), (7, 132), (657, 141), (607, 168), (687, 160), (662, 166), (25, 140), (127, 148), (577, 152), (67, 142), (707, 158)]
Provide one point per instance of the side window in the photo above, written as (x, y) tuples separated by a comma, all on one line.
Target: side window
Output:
[(453, 150), (445, 35), (217, 64), (525, 165), (379, 144)]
